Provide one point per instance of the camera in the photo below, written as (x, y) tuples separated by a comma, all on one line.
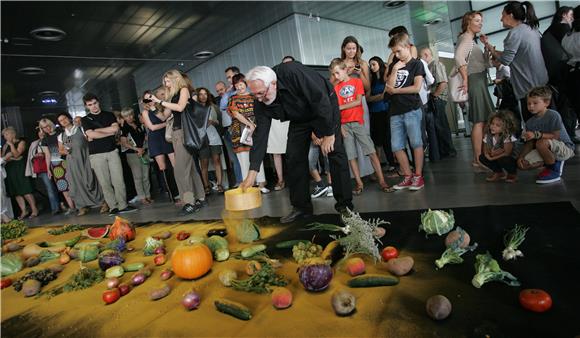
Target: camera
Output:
[(147, 100)]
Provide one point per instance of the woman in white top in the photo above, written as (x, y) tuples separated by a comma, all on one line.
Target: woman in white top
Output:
[(214, 148), (472, 64)]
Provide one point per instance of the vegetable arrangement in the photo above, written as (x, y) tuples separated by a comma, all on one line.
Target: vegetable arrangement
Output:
[(512, 240), (65, 229), (13, 229), (84, 278), (455, 249), (261, 281), (487, 270)]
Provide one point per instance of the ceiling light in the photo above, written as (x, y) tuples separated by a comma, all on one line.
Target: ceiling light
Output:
[(204, 54), (432, 22), (32, 71), (48, 34), (48, 93), (393, 4)]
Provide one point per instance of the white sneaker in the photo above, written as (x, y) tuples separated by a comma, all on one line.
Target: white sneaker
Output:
[(264, 190), (329, 193), (134, 200)]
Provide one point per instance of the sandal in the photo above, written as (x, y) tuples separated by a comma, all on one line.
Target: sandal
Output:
[(220, 188), (395, 174), (358, 190), (279, 186), (23, 216), (387, 188), (207, 191)]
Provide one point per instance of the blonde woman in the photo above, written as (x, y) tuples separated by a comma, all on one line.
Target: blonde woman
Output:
[(18, 185), (472, 64), (186, 175), (54, 162)]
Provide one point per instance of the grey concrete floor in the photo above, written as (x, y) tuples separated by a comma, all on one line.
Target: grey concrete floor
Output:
[(449, 183)]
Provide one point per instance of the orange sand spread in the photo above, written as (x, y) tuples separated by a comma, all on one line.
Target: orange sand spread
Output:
[(382, 311)]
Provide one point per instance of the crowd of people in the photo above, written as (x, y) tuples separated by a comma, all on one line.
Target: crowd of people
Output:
[(376, 114)]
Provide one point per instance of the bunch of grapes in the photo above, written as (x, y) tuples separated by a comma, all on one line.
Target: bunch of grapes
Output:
[(303, 251), (43, 276)]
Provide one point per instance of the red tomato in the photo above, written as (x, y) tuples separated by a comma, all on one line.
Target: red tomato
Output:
[(535, 300), (159, 259), (111, 296), (389, 252), (5, 282)]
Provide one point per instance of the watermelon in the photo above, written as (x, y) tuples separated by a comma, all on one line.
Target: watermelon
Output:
[(96, 233)]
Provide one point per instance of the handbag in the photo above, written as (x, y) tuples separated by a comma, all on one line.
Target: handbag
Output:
[(194, 125), (455, 81), (39, 163), (169, 129)]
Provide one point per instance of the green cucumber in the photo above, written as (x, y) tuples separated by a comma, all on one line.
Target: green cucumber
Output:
[(252, 250), (237, 310), (133, 266), (290, 244), (367, 281)]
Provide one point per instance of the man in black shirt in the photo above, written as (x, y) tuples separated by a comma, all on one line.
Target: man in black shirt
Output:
[(100, 127), (295, 93)]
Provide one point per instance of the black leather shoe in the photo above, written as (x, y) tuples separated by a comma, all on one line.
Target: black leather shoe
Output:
[(294, 215)]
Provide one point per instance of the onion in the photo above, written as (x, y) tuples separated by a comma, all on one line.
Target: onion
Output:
[(138, 279), (166, 274), (159, 250), (124, 289), (343, 302), (113, 283), (191, 300)]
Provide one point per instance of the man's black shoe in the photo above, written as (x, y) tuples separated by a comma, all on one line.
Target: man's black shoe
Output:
[(201, 204), (294, 215), (189, 209), (128, 209), (113, 212)]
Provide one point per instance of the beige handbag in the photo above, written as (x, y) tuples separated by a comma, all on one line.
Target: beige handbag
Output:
[(169, 129), (455, 81)]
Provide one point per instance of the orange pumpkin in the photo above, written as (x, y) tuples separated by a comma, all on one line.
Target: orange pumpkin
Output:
[(191, 261), (122, 228)]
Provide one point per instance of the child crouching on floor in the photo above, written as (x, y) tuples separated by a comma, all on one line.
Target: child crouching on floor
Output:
[(498, 144), (547, 142)]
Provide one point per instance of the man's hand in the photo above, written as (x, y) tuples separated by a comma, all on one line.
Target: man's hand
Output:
[(249, 181), (400, 64), (391, 90), (327, 145)]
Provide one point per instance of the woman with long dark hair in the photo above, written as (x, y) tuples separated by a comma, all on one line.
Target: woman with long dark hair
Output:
[(521, 50), (379, 109), (214, 147)]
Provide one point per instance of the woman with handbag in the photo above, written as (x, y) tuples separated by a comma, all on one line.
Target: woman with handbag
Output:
[(54, 162), (159, 147), (84, 187), (186, 175), (472, 64), (36, 168), (18, 185)]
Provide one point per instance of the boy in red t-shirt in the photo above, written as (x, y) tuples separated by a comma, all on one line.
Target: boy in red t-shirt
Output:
[(349, 92)]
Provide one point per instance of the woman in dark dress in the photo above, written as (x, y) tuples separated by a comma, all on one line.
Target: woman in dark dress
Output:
[(18, 185)]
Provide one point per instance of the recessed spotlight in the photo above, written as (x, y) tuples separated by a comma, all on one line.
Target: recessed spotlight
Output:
[(204, 54), (48, 34), (48, 93), (393, 4), (432, 22), (32, 71), (181, 64)]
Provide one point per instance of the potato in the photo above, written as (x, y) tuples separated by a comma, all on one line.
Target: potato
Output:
[(159, 293), (438, 307), (400, 266), (455, 235), (31, 287)]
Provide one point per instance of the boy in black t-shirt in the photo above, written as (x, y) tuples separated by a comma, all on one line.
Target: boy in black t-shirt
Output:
[(404, 82), (100, 127)]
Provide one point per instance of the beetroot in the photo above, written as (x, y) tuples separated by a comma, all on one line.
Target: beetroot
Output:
[(109, 259), (315, 277)]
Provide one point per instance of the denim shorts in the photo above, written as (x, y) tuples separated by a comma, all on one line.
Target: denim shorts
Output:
[(313, 158), (406, 125)]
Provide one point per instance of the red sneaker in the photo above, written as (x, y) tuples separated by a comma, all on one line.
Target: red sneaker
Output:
[(405, 184), (417, 184)]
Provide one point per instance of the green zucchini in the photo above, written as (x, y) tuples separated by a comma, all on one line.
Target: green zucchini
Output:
[(133, 266), (367, 281), (290, 244), (252, 250), (237, 310)]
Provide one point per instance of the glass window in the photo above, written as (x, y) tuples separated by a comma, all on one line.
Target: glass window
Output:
[(479, 5), (544, 8), (491, 20), (544, 24), (457, 8), (497, 39), (569, 3), (455, 29)]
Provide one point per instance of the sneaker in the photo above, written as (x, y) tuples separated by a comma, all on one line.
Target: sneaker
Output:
[(113, 212), (128, 209), (201, 203), (548, 176), (405, 183), (70, 211), (418, 183), (329, 193), (558, 167), (319, 191), (189, 209), (134, 200), (264, 190)]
